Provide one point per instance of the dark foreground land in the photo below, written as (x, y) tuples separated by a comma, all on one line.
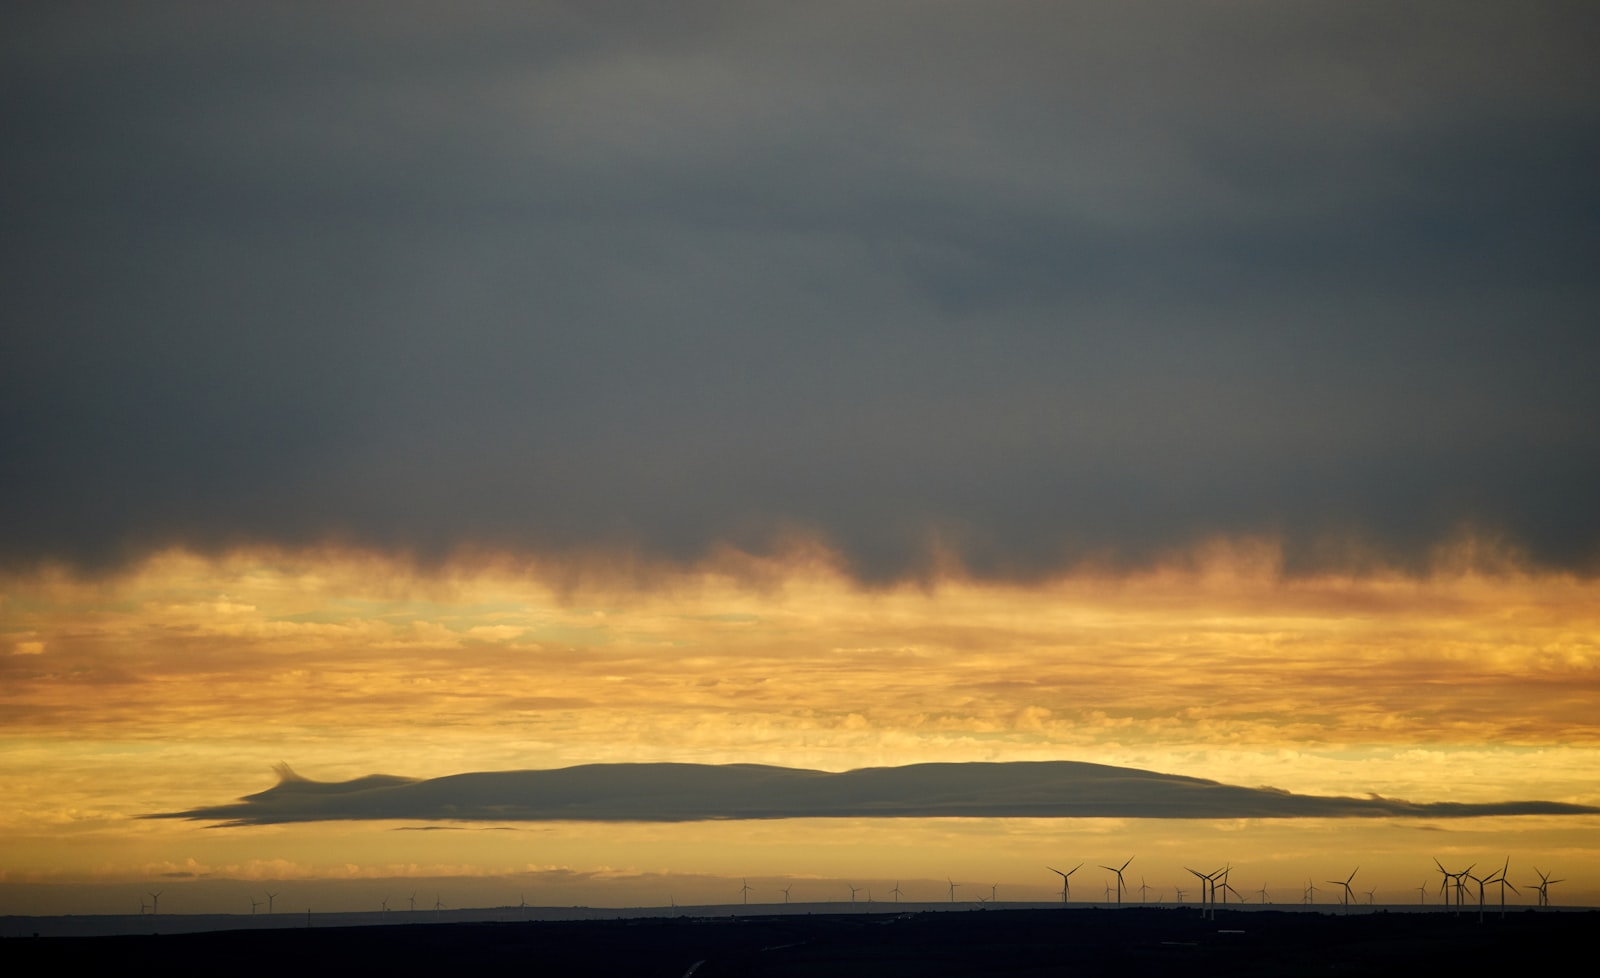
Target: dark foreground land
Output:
[(1124, 943)]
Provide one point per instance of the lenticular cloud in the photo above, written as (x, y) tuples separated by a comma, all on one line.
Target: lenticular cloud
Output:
[(700, 792)]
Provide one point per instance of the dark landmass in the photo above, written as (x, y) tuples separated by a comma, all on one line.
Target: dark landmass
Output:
[(693, 792), (1127, 942)]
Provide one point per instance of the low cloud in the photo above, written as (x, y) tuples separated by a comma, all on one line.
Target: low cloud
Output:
[(699, 792)]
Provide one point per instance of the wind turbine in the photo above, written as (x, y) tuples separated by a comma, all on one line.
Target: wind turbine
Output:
[(1120, 883), (896, 891), (786, 892), (1422, 894), (383, 906), (1543, 886), (745, 892), (254, 903), (1263, 893), (155, 902), (1480, 893), (953, 885), (1221, 880), (270, 898), (1348, 893), (1205, 882), (1179, 891), (1461, 886), (1501, 879), (1370, 894), (438, 902), (1444, 882), (992, 888), (413, 899), (1066, 882), (1311, 892), (853, 891), (1144, 889)]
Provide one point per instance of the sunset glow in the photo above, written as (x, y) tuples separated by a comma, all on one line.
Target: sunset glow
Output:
[(182, 681)]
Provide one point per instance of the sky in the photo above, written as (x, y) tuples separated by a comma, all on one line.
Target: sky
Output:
[(1199, 389)]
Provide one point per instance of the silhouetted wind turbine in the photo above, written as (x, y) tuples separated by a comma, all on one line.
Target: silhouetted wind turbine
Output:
[(745, 892), (413, 899), (992, 888), (1120, 883), (853, 891), (896, 891), (1543, 886), (953, 885), (1205, 882), (1263, 892), (1144, 889), (786, 892), (1179, 891), (1311, 892), (1501, 879), (1066, 882), (155, 902), (1480, 893), (254, 903), (1444, 881), (270, 898), (1349, 894), (1370, 894)]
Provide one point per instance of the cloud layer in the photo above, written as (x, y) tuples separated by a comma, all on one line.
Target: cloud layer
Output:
[(1013, 283), (698, 792)]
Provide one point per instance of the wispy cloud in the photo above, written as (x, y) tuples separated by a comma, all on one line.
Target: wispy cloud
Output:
[(698, 792)]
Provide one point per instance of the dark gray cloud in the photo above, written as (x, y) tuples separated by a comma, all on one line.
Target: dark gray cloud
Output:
[(1031, 281), (699, 792)]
